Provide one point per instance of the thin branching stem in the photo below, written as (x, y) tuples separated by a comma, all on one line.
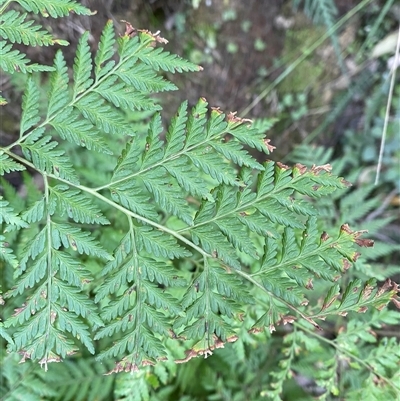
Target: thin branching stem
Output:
[(388, 105)]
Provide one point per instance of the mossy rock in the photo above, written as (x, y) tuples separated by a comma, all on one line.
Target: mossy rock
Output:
[(314, 72)]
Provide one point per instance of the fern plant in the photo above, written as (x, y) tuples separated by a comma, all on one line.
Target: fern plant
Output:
[(192, 233)]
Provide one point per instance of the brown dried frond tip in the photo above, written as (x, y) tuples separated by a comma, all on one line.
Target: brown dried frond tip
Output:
[(234, 119), (131, 32)]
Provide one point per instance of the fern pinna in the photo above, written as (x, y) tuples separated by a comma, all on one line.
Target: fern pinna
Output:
[(209, 230)]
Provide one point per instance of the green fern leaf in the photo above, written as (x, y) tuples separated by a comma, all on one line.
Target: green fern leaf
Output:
[(131, 196), (78, 131), (15, 28), (6, 253), (142, 78), (187, 177), (277, 213), (30, 107), (8, 215), (158, 59), (167, 194), (35, 212), (7, 164), (160, 300), (48, 159), (32, 276), (158, 244), (105, 52), (33, 249), (213, 165), (159, 272), (58, 86), (57, 8), (72, 299), (257, 223), (176, 132), (82, 66), (69, 323), (72, 237), (154, 146), (102, 115), (121, 95), (234, 151), (77, 206), (196, 122), (13, 60), (71, 271), (215, 243)]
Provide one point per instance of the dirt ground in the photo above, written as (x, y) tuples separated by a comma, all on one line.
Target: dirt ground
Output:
[(240, 45)]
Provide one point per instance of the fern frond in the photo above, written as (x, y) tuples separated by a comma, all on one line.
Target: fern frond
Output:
[(105, 51), (133, 198), (103, 116), (57, 8), (213, 297), (13, 60), (77, 206), (56, 309), (80, 378), (79, 131), (143, 79), (279, 376), (46, 158), (8, 216), (30, 107), (159, 59), (15, 28), (58, 86), (76, 239), (359, 297), (6, 253), (35, 212), (82, 66), (158, 244)]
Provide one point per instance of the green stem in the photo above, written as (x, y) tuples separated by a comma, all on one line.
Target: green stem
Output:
[(49, 269), (248, 277), (4, 6)]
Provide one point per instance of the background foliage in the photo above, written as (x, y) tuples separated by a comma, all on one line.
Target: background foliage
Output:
[(354, 357)]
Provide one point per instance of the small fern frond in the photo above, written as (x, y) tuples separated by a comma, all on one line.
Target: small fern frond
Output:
[(7, 165), (162, 60), (47, 158), (285, 365), (359, 297), (77, 206), (105, 51), (30, 107), (58, 86), (82, 66), (7, 254), (57, 8), (15, 28), (123, 96), (8, 216), (75, 130), (12, 60)]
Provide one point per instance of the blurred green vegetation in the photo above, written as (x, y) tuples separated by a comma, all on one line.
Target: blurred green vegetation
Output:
[(331, 108)]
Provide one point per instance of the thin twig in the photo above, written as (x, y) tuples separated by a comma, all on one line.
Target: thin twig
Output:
[(389, 102)]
